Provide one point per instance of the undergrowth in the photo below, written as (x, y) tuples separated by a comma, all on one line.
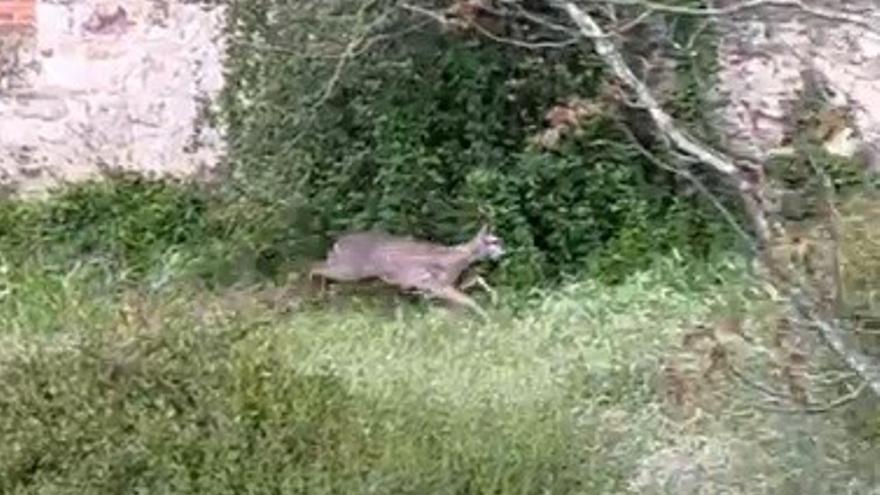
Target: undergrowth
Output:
[(126, 367), (184, 391), (106, 386)]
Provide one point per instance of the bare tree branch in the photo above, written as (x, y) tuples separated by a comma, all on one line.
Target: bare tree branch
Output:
[(754, 384), (359, 39), (836, 337), (680, 138), (297, 52), (573, 37), (608, 52), (437, 16), (832, 333), (743, 173), (726, 213), (525, 14), (800, 5)]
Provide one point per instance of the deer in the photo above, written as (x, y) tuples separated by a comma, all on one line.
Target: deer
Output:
[(431, 269)]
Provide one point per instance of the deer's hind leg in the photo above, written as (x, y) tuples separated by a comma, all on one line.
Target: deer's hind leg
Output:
[(320, 270), (327, 271)]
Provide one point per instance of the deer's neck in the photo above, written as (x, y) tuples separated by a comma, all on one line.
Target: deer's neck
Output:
[(467, 254)]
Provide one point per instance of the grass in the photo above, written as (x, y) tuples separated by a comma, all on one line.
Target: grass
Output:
[(150, 381), (185, 391)]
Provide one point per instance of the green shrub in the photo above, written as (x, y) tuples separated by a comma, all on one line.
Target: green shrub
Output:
[(131, 222), (180, 412)]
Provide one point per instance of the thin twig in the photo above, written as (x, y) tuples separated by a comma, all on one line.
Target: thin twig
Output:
[(530, 45), (724, 211), (540, 20), (765, 389), (569, 31), (696, 35), (344, 59), (828, 14), (440, 18), (835, 234), (817, 408), (639, 19), (350, 49), (298, 52)]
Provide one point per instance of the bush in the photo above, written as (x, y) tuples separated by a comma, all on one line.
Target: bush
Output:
[(428, 135), (165, 413), (130, 222)]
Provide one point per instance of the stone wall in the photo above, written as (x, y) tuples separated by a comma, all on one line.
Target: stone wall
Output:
[(768, 54), (96, 86), (101, 85)]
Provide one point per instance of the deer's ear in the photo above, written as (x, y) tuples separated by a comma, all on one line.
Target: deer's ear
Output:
[(484, 229)]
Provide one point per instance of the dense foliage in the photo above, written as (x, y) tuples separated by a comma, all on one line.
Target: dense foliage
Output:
[(429, 134), (130, 221), (423, 132)]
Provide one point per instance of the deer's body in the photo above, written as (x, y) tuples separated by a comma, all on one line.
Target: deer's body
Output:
[(409, 264)]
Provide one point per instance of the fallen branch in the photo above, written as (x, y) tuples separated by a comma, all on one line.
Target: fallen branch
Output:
[(816, 408), (835, 336)]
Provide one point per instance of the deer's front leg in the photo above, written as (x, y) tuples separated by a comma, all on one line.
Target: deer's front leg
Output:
[(454, 295), (479, 280)]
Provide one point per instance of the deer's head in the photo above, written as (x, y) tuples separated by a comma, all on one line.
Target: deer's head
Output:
[(488, 245)]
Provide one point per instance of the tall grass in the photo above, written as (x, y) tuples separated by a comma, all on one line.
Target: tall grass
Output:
[(106, 389)]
